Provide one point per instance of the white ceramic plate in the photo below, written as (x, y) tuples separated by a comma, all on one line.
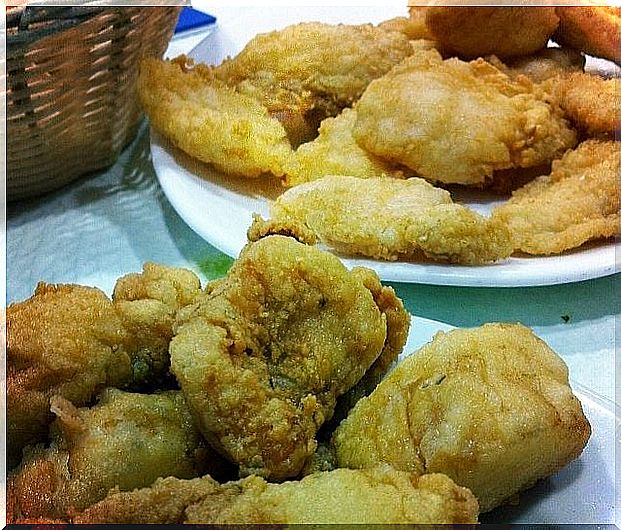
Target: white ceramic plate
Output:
[(584, 491), (220, 208)]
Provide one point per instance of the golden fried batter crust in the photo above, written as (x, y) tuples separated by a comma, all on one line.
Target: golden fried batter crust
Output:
[(577, 202), (392, 219), (335, 152), (210, 121), (595, 30), (456, 123), (66, 340), (591, 102), (542, 65), (490, 407), (343, 496), (72, 341), (264, 354), (503, 31), (126, 441)]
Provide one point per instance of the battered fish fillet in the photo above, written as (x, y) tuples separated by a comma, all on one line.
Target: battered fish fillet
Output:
[(264, 354), (73, 341), (595, 30), (392, 219), (147, 303), (210, 121), (127, 441), (331, 64), (413, 26), (591, 102), (456, 123), (335, 152), (503, 31), (343, 496), (577, 202), (490, 407), (543, 65)]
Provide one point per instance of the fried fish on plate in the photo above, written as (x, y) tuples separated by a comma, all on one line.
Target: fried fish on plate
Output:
[(490, 407), (335, 152), (577, 202), (542, 65), (591, 28), (265, 353), (125, 441), (344, 496), (210, 121), (591, 102), (472, 32), (456, 122), (73, 341), (308, 71), (391, 219)]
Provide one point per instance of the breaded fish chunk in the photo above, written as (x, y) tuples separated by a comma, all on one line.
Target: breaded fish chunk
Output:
[(392, 219), (210, 121), (593, 29), (125, 441), (472, 32), (73, 341), (456, 123), (66, 340), (490, 407), (334, 62), (147, 303), (577, 202), (264, 354), (591, 102), (543, 65), (343, 496), (335, 152)]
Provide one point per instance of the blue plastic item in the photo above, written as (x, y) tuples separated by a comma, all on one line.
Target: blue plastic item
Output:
[(191, 19)]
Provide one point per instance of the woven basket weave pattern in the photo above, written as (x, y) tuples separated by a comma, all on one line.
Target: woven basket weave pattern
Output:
[(71, 105)]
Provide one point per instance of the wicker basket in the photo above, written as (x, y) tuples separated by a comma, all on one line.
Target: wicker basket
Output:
[(71, 74)]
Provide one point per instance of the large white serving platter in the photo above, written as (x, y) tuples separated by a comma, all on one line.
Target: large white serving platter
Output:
[(584, 491), (220, 208)]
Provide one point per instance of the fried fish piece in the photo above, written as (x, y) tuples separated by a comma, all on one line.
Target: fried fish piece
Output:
[(577, 202), (147, 303), (331, 63), (343, 496), (210, 121), (125, 441), (264, 354), (412, 26), (472, 32), (66, 340), (392, 219), (490, 407), (542, 65), (591, 102), (593, 29), (456, 123), (335, 152), (73, 341)]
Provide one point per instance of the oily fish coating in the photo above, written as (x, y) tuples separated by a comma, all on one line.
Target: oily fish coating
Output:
[(126, 440), (490, 407), (577, 202), (264, 355), (210, 121), (392, 219), (456, 123), (343, 496)]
